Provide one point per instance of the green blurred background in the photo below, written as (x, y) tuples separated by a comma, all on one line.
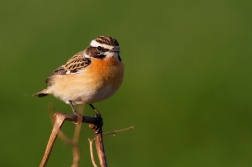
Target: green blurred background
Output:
[(187, 87)]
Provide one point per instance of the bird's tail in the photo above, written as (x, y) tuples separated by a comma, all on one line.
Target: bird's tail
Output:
[(41, 94)]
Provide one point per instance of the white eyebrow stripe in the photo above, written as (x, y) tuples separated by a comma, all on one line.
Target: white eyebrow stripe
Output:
[(94, 43)]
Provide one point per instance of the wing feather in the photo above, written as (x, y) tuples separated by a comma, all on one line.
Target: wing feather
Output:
[(76, 63), (73, 66)]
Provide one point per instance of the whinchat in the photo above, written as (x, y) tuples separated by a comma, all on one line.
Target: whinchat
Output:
[(90, 76)]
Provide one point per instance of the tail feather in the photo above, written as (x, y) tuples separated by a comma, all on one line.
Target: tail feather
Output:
[(40, 94)]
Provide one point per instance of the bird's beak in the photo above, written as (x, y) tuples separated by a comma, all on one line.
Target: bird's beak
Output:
[(115, 49)]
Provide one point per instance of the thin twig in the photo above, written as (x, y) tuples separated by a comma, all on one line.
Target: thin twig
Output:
[(117, 131), (91, 152)]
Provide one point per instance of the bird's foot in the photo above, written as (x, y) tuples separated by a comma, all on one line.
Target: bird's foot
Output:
[(97, 125)]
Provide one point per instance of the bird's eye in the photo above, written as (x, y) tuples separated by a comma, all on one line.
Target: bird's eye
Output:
[(99, 48)]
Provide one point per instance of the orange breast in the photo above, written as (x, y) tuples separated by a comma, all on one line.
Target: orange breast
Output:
[(107, 71)]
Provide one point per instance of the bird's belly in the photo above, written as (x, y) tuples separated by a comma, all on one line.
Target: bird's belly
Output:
[(92, 96), (86, 95)]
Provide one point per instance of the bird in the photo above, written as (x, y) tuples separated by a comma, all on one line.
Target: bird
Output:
[(90, 76)]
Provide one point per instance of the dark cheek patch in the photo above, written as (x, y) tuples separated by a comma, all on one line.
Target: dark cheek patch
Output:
[(100, 56)]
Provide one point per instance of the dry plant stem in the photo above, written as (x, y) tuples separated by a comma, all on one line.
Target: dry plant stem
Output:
[(91, 141), (94, 122), (91, 152), (59, 120), (85, 119), (76, 150), (74, 142), (61, 135), (100, 149), (99, 146)]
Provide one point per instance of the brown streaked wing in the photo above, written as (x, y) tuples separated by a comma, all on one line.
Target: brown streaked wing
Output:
[(73, 65), (76, 63)]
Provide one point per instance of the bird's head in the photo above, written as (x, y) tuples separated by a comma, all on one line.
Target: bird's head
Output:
[(103, 47)]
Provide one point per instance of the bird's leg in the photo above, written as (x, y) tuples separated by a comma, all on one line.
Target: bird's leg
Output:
[(74, 111), (99, 123), (79, 116), (96, 112)]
